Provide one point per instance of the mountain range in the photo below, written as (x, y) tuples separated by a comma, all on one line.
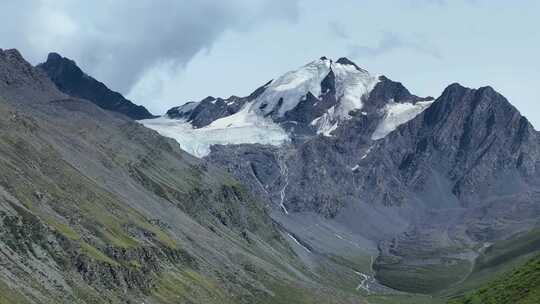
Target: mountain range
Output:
[(328, 184)]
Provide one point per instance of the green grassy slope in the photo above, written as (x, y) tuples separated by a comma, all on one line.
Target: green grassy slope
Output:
[(499, 258), (520, 286), (425, 279)]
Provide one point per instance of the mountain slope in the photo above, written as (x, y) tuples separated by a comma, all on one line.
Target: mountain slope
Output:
[(70, 79), (96, 208)]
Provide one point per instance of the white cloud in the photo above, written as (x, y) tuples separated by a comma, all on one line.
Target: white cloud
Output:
[(117, 41)]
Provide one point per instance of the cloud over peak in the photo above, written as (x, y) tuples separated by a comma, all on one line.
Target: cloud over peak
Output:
[(117, 41)]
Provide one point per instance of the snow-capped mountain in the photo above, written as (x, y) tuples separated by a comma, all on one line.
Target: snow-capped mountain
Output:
[(370, 166), (315, 99)]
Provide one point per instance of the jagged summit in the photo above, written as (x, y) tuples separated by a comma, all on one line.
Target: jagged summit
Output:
[(70, 79), (315, 99), (347, 61), (20, 82), (314, 81), (13, 53), (55, 57), (341, 60)]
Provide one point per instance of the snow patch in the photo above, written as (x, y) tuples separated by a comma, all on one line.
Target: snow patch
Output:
[(352, 87), (297, 242), (284, 171), (398, 114), (241, 128), (364, 282), (325, 124), (289, 89), (366, 153), (185, 108)]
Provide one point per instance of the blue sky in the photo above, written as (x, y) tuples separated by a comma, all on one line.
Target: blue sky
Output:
[(222, 48)]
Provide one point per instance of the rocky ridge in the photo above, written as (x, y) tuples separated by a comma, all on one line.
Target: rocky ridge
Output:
[(71, 80)]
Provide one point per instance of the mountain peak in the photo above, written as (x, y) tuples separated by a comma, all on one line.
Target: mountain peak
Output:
[(53, 56), (347, 61), (61, 66), (70, 79), (57, 59), (12, 53), (21, 82), (209, 99)]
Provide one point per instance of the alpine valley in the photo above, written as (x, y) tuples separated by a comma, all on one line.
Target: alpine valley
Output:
[(328, 184)]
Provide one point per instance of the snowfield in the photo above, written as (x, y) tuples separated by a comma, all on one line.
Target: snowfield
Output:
[(398, 114), (292, 87), (239, 128)]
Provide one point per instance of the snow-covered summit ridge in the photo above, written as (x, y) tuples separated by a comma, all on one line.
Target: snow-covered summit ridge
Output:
[(286, 92), (313, 99), (316, 97)]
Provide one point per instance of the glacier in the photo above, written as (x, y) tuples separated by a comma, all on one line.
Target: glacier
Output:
[(239, 128)]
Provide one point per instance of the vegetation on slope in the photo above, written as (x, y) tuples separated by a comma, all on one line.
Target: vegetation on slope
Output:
[(425, 277), (497, 259), (521, 286)]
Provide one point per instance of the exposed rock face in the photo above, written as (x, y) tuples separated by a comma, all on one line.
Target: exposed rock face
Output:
[(70, 79), (474, 139), (470, 162)]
